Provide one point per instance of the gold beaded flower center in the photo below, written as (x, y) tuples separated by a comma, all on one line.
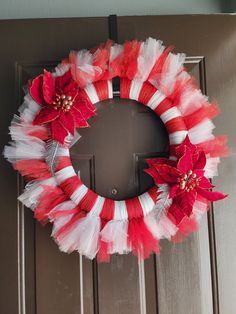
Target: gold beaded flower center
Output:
[(63, 102), (189, 181)]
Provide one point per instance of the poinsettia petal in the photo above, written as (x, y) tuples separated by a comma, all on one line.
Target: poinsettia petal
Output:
[(190, 145), (204, 183), (186, 201), (63, 80), (48, 87), (58, 131), (180, 150), (36, 90), (211, 196), (173, 190), (168, 174), (81, 104), (154, 174), (71, 89), (79, 120), (199, 172), (175, 213), (45, 115), (191, 196), (82, 96), (185, 162), (166, 161), (195, 156), (67, 121), (201, 161)]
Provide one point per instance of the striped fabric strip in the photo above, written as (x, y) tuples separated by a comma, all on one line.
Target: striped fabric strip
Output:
[(108, 209), (135, 89), (175, 124), (87, 202), (134, 208), (91, 93), (177, 137), (98, 91), (64, 174), (146, 93), (146, 202), (102, 89), (70, 185), (125, 85), (120, 212), (110, 89), (155, 100), (62, 162), (79, 193), (170, 114), (163, 106), (97, 207)]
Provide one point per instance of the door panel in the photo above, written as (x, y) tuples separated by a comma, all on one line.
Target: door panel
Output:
[(192, 277), (212, 37), (183, 269), (34, 276), (133, 133)]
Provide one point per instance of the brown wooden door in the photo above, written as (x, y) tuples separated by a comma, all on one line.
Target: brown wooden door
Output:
[(195, 277)]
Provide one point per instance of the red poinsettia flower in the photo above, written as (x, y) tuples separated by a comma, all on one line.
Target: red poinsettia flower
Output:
[(62, 107), (184, 176)]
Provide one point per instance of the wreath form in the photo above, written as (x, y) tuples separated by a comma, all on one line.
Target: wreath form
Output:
[(83, 220), (122, 209)]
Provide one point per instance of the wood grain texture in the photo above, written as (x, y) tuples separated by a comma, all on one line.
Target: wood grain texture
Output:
[(195, 277), (214, 38), (127, 128), (30, 46)]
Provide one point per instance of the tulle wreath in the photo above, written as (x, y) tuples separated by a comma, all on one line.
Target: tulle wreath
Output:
[(58, 103)]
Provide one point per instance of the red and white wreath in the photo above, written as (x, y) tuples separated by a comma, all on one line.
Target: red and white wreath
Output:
[(58, 103)]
